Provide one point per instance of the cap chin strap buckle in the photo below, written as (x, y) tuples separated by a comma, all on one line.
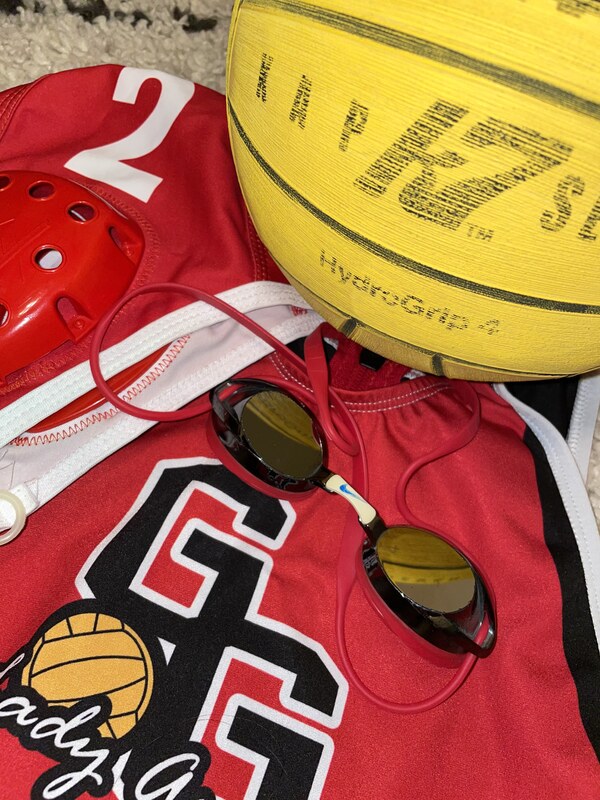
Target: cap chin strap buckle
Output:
[(66, 256), (19, 516)]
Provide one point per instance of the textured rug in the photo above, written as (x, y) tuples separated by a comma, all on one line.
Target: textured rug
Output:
[(187, 38)]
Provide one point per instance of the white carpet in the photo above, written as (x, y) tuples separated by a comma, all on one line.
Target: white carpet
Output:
[(186, 38)]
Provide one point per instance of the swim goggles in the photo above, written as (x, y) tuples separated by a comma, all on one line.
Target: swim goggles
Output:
[(274, 435)]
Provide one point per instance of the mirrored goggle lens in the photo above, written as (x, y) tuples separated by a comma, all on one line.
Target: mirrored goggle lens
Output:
[(421, 566), (426, 569), (281, 433)]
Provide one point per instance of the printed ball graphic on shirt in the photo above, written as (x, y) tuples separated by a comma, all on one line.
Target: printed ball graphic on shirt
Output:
[(85, 655)]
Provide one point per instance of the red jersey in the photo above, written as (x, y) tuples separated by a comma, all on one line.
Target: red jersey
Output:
[(168, 631)]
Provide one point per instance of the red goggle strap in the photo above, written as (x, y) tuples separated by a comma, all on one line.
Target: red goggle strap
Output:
[(190, 412), (196, 294), (352, 540)]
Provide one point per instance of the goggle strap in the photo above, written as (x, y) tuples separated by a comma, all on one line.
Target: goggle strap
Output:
[(317, 370), (197, 294), (352, 539), (465, 434)]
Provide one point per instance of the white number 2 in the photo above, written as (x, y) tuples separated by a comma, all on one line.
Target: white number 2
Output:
[(105, 163)]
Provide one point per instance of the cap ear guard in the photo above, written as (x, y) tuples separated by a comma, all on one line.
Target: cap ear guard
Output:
[(66, 256)]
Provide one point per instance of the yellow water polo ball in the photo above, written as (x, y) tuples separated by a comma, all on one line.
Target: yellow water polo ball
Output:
[(427, 175), (91, 654)]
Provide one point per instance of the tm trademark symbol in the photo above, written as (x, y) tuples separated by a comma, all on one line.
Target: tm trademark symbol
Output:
[(483, 234), (490, 326)]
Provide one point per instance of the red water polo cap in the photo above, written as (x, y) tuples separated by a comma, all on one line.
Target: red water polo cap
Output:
[(66, 256)]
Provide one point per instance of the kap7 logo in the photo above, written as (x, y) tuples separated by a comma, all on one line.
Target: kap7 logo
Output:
[(489, 155)]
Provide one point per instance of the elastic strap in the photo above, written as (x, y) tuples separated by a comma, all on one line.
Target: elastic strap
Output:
[(197, 294), (317, 370), (465, 434), (352, 539)]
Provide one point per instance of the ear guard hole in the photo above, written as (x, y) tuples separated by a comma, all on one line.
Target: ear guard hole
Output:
[(41, 190), (4, 182), (48, 258), (3, 314), (82, 212)]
